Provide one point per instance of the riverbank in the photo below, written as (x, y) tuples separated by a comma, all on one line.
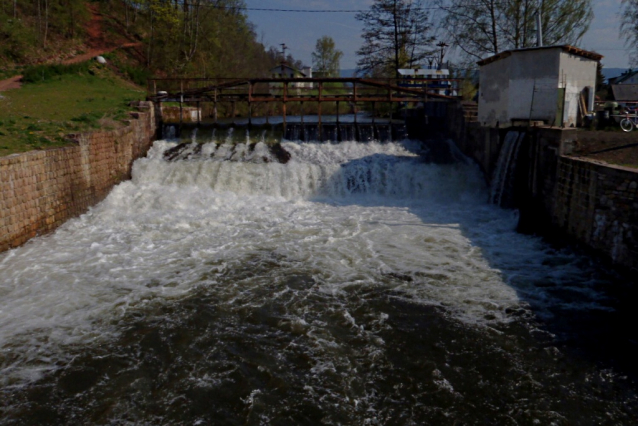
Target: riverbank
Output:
[(43, 189)]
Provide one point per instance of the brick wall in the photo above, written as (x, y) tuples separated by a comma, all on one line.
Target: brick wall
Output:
[(40, 190)]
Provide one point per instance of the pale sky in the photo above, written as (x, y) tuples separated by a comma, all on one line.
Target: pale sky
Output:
[(300, 31)]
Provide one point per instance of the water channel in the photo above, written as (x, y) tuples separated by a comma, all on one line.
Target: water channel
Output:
[(355, 284)]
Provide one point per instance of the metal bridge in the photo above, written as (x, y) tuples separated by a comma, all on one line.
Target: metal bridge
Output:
[(285, 91)]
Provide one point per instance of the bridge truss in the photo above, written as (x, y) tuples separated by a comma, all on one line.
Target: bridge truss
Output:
[(351, 91)]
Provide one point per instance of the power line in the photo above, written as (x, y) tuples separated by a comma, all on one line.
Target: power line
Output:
[(262, 9)]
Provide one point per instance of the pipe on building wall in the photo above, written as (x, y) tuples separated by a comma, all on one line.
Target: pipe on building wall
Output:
[(539, 29)]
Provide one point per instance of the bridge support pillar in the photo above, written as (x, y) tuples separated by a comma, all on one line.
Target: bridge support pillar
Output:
[(319, 127), (283, 110), (234, 110)]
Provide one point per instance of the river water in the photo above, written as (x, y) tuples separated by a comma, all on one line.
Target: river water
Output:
[(357, 284)]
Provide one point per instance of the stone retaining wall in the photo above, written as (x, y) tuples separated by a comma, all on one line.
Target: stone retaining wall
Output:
[(591, 202), (598, 205), (40, 190)]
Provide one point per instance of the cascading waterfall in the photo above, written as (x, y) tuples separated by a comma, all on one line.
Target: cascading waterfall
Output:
[(332, 132), (503, 179), (239, 280)]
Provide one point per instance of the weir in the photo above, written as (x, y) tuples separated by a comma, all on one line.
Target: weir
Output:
[(304, 132), (286, 94)]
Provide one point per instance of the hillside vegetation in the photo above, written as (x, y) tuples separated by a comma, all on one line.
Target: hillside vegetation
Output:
[(52, 43), (210, 38), (34, 30)]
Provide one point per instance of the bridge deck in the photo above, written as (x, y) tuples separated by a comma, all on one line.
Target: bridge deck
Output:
[(300, 89), (316, 90)]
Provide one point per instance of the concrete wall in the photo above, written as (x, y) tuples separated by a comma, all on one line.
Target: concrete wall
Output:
[(592, 203), (40, 190), (494, 94), (533, 85), (598, 205), (576, 73), (483, 144)]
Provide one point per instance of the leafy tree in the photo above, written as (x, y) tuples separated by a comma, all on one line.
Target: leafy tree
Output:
[(26, 26), (629, 27), (325, 58), (485, 27), (202, 38), (396, 35)]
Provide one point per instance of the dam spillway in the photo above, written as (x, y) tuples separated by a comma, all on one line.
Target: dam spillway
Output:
[(355, 283)]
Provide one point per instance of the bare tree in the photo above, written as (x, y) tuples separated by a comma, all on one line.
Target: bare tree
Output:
[(629, 28), (396, 34), (485, 27)]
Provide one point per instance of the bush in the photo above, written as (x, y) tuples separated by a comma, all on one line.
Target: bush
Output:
[(34, 127), (40, 73), (137, 75), (16, 38)]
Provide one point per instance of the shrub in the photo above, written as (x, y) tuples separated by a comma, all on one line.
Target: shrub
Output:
[(34, 127), (137, 75), (47, 72)]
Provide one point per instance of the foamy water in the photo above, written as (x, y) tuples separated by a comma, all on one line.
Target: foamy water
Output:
[(323, 238)]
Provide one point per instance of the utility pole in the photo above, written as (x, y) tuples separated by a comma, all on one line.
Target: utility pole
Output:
[(396, 40), (283, 51), (539, 24), (442, 45)]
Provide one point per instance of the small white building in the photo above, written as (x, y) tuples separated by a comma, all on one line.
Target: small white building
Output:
[(547, 84), (286, 71)]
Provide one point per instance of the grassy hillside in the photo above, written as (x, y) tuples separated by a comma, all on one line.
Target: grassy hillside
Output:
[(138, 38), (41, 114)]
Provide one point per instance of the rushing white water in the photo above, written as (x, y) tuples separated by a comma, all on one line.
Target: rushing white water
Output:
[(290, 291), (347, 214)]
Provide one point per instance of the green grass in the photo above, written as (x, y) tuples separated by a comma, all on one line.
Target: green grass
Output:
[(40, 115), (40, 73)]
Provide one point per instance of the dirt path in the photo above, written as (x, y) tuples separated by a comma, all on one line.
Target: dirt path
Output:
[(97, 52), (11, 83), (97, 43)]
